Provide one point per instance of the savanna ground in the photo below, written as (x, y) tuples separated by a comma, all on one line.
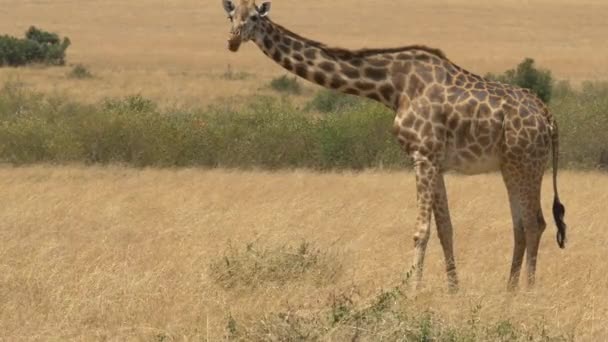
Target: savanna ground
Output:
[(117, 253)]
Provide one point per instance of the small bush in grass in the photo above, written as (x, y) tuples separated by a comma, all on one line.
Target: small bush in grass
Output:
[(253, 265), (526, 75), (38, 46), (389, 316), (232, 75), (80, 72), (286, 84)]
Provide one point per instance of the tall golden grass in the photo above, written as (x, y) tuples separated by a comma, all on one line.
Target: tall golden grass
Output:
[(176, 52), (125, 254)]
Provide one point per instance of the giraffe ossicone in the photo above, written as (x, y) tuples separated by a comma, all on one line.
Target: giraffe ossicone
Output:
[(447, 118)]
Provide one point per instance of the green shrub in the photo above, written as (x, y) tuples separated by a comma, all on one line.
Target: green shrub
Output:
[(269, 132), (526, 75), (326, 101), (37, 47), (285, 84), (80, 72), (253, 266), (583, 123)]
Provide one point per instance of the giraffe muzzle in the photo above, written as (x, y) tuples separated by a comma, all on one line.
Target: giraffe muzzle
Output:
[(234, 42)]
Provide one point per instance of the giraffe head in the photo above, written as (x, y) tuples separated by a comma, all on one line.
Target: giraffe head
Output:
[(245, 17)]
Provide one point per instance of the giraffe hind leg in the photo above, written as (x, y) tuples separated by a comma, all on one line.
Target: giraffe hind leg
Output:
[(528, 224), (445, 231)]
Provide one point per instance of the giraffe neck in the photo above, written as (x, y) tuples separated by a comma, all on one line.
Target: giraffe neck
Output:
[(368, 73)]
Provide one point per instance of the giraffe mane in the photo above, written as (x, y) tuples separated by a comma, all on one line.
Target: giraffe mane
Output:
[(361, 53)]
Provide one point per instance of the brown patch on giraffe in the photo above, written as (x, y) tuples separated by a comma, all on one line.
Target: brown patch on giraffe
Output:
[(398, 81), (403, 68), (349, 71), (483, 140), (327, 66), (356, 62), (268, 44), (284, 48), (408, 120), (405, 56), (484, 111), (376, 74), (456, 94), (436, 61), (427, 129), (439, 131), (310, 53), (425, 71), (374, 96), (436, 93), (409, 135), (337, 82), (298, 57), (494, 101), (424, 58), (460, 80), (287, 64), (453, 122), (379, 62), (462, 133), (387, 91), (301, 70), (364, 85), (529, 121), (352, 91), (449, 79), (415, 87), (319, 77), (480, 95), (297, 46), (276, 56), (287, 41), (440, 75)]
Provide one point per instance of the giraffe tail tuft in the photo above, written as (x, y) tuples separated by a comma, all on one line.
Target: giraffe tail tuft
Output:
[(558, 214), (558, 208)]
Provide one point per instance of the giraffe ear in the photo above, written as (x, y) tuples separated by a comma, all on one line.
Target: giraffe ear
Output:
[(228, 6), (264, 9)]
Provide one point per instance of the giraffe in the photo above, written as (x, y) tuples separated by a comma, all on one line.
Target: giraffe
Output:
[(446, 118)]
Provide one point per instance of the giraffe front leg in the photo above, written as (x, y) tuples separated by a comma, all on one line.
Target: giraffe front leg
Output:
[(445, 231), (426, 175)]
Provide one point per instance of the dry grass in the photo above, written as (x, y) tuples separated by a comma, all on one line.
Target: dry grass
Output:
[(97, 253), (176, 51)]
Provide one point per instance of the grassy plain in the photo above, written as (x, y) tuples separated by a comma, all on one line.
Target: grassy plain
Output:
[(92, 253), (175, 51), (126, 254)]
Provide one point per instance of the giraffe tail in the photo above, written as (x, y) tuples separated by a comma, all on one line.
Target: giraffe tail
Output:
[(558, 208)]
